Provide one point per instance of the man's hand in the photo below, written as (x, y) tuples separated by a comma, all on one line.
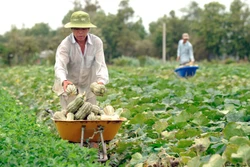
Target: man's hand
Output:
[(100, 83), (190, 63), (65, 84), (98, 88), (178, 58)]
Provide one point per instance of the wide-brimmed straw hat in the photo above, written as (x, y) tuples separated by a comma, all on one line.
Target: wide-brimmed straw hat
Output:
[(79, 19)]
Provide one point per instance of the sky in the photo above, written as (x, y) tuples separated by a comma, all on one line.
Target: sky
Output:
[(26, 13)]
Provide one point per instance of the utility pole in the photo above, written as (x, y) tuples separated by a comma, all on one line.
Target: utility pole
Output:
[(164, 43)]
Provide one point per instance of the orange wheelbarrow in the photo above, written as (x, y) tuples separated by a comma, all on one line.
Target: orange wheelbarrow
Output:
[(80, 131)]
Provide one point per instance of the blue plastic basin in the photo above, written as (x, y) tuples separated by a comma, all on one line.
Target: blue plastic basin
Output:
[(186, 71)]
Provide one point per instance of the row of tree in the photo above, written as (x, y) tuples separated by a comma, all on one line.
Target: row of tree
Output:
[(215, 33)]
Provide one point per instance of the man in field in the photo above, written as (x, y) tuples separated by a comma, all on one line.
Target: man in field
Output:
[(79, 60), (185, 51)]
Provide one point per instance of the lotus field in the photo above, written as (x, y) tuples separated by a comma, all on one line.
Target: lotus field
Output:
[(202, 121)]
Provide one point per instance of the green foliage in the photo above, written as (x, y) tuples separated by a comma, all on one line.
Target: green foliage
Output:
[(24, 142), (149, 61), (39, 29), (134, 62), (5, 56), (199, 121), (214, 32), (126, 61), (120, 35), (229, 61), (237, 21)]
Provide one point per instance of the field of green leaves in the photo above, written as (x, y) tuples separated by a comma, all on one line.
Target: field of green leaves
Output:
[(201, 121)]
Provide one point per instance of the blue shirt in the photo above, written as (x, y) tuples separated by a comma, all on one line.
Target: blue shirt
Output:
[(185, 51)]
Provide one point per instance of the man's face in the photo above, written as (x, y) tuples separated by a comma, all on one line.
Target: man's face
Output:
[(185, 40), (80, 33)]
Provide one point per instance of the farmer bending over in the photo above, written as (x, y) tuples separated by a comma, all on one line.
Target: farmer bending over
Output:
[(79, 60)]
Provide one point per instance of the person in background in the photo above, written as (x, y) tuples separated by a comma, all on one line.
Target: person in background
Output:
[(185, 51), (79, 60)]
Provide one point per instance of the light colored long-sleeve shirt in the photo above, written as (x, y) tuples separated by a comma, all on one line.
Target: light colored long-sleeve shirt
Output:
[(81, 69), (185, 52)]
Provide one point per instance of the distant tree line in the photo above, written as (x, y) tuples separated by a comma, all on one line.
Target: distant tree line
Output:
[(215, 33)]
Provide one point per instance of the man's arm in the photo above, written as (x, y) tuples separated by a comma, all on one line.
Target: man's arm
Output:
[(61, 65), (178, 58), (191, 54), (100, 64), (178, 52)]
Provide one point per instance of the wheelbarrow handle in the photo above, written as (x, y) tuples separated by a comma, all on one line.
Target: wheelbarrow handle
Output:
[(50, 112)]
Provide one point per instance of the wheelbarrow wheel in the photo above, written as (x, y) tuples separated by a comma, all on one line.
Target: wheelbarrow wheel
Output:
[(94, 145)]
